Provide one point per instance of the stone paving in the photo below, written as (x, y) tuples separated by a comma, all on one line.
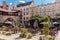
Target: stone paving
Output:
[(57, 36), (9, 37), (13, 36)]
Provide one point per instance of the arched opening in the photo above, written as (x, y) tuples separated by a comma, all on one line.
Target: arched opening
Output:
[(10, 22)]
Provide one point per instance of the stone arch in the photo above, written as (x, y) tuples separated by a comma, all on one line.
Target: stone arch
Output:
[(10, 20)]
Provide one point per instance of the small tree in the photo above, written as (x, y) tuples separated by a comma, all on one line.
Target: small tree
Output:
[(35, 17), (46, 25)]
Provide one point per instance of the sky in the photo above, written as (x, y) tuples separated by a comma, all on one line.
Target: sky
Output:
[(37, 2)]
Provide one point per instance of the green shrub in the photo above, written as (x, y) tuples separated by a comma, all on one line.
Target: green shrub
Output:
[(40, 38), (29, 35), (8, 34), (23, 35), (23, 30), (3, 32), (46, 25), (51, 38), (4, 28)]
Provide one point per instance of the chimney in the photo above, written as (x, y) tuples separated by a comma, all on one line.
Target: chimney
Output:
[(5, 6)]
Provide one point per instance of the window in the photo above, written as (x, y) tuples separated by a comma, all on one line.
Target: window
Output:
[(53, 10), (1, 6), (24, 18), (44, 11), (49, 13), (24, 9), (32, 11), (27, 9), (20, 9), (40, 11), (53, 13), (49, 8), (24, 13), (0, 13), (58, 6), (40, 14), (53, 7), (32, 14), (36, 11), (58, 11), (44, 14), (20, 21), (27, 13), (24, 21)]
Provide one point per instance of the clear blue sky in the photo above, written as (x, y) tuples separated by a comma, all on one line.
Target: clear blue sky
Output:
[(37, 2)]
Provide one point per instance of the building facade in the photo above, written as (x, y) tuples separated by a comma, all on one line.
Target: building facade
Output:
[(29, 9), (9, 16), (21, 13), (57, 0), (47, 10), (26, 11)]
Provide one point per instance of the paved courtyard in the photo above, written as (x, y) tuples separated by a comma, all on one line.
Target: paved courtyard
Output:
[(9, 37), (15, 36), (57, 36)]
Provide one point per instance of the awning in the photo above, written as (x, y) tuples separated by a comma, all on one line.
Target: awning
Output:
[(44, 23), (9, 22)]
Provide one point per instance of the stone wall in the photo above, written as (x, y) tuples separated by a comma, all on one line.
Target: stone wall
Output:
[(4, 18)]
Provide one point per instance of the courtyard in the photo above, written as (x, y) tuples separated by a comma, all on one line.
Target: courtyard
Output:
[(16, 37), (29, 20)]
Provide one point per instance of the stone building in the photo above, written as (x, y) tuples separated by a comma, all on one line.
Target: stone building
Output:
[(25, 8), (29, 9), (51, 9), (21, 13), (9, 16), (57, 0)]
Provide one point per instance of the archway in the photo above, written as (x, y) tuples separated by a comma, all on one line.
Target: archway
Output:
[(10, 21)]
